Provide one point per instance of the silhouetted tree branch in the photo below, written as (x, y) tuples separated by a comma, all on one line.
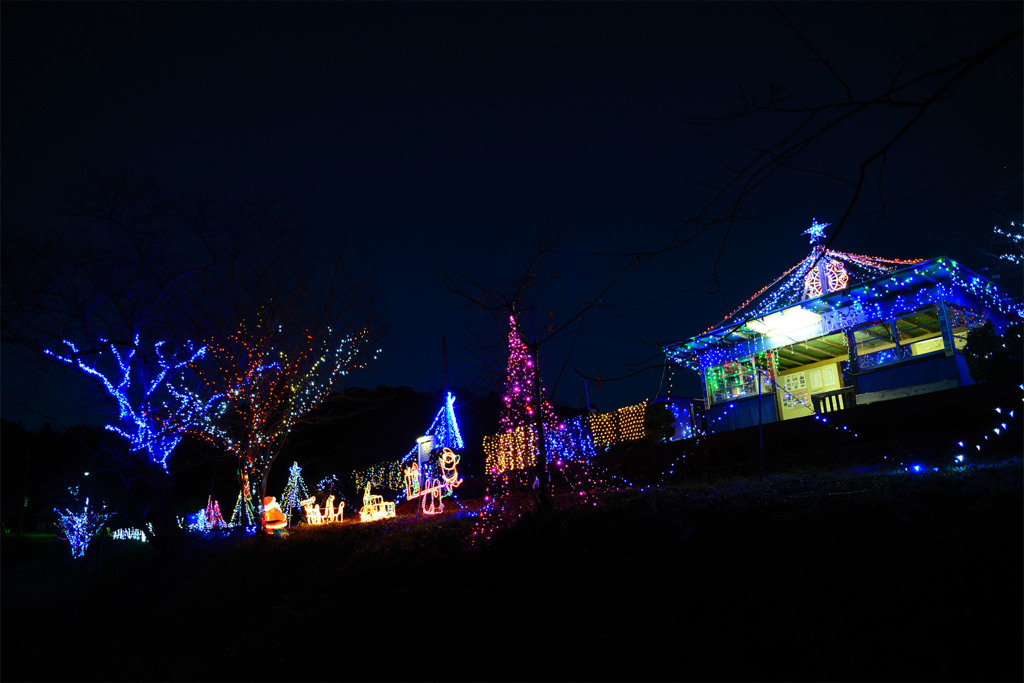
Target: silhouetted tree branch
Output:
[(523, 295), (126, 288), (286, 330), (885, 112)]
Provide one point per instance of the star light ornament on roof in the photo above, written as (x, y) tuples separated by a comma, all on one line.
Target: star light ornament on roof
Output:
[(816, 231), (827, 273), (835, 270)]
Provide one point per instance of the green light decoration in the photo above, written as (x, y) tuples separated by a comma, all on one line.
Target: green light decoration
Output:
[(295, 492)]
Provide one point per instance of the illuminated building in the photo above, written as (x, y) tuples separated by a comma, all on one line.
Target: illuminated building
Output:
[(838, 330)]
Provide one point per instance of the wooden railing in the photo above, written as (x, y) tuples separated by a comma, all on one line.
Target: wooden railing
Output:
[(831, 401)]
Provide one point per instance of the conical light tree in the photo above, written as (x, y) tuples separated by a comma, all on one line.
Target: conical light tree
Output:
[(525, 413), (525, 417), (508, 301), (294, 491), (244, 514), (524, 395)]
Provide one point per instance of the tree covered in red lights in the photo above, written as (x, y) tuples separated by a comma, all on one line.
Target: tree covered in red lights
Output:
[(268, 381), (296, 337)]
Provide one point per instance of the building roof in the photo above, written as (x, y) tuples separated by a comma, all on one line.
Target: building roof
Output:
[(802, 281), (891, 280)]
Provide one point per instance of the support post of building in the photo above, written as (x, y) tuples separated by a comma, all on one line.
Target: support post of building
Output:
[(760, 423), (444, 365), (945, 327), (851, 348)]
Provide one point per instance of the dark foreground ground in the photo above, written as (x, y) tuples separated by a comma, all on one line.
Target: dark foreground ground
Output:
[(880, 577)]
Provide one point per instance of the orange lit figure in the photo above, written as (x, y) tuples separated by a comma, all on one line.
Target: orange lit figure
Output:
[(449, 468), (273, 516), (432, 490), (374, 507), (412, 481)]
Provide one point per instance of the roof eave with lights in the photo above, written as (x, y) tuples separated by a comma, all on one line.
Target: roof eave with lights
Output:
[(910, 278)]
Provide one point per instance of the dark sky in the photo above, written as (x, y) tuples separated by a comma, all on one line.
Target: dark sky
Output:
[(455, 131)]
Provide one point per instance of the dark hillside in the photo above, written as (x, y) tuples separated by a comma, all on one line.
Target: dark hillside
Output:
[(845, 577), (923, 430)]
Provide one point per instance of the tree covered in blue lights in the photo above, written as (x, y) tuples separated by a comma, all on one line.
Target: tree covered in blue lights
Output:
[(121, 288), (445, 428), (150, 417), (80, 526)]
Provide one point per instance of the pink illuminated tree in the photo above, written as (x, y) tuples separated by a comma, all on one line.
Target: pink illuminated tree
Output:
[(523, 389), (510, 302)]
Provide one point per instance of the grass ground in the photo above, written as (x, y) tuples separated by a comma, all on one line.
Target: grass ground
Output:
[(824, 576)]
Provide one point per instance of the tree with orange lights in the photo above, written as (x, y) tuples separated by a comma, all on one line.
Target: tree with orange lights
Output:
[(299, 342)]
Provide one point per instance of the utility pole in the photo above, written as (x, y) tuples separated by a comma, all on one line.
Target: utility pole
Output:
[(444, 365), (449, 426)]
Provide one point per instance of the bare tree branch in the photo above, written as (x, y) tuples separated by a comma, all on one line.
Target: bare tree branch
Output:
[(915, 87)]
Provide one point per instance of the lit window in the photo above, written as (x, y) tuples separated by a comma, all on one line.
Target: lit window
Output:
[(737, 379)]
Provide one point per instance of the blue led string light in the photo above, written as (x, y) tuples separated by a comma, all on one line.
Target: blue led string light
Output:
[(998, 427), (151, 426), (391, 474), (80, 527), (874, 289)]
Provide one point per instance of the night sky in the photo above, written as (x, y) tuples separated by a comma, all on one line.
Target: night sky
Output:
[(452, 132)]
